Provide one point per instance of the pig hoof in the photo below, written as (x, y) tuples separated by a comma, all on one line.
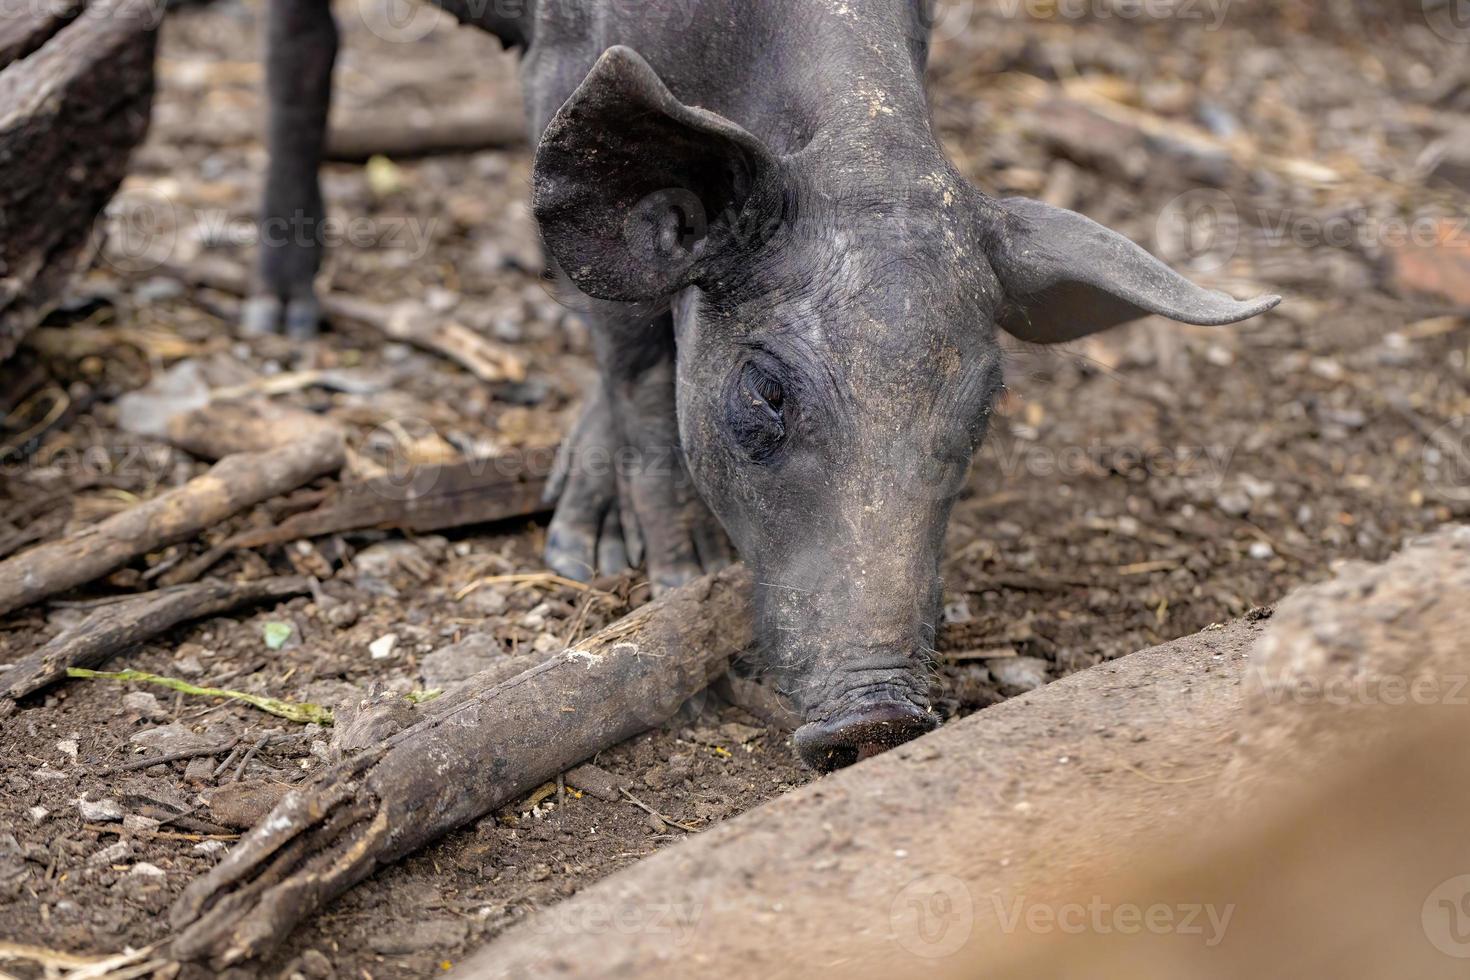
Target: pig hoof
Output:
[(260, 315), (580, 547), (302, 318), (873, 728)]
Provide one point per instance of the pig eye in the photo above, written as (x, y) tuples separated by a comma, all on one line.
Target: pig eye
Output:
[(758, 412)]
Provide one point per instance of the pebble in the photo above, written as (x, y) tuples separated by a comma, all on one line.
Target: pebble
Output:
[(167, 739), (382, 647), (209, 847), (1236, 503), (1017, 675), (547, 643), (137, 823), (68, 747), (487, 602), (1261, 551), (37, 814), (314, 963), (100, 811), (145, 870), (145, 705), (112, 853)]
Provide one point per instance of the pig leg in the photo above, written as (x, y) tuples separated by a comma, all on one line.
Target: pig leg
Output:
[(589, 535), (681, 538), (301, 45)]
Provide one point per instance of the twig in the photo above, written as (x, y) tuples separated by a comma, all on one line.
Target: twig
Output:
[(169, 757), (652, 812), (260, 744), (532, 578)]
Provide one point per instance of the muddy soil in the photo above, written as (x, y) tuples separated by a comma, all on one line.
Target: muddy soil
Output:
[(1136, 488)]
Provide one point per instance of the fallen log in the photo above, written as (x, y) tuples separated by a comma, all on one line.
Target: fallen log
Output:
[(493, 745), (355, 138), (835, 878), (231, 485), (424, 499), (76, 91), (922, 861), (117, 626)]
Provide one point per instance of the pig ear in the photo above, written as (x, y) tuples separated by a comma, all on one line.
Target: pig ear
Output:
[(637, 193), (1067, 276)]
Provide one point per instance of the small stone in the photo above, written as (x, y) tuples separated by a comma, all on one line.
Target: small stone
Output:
[(343, 615), (738, 733), (145, 705), (136, 823), (37, 814), (655, 823), (546, 643), (314, 963), (200, 769), (1262, 551), (1236, 503), (209, 847), (100, 811), (1017, 675), (243, 805), (382, 647), (112, 854), (168, 739), (145, 870), (487, 602), (68, 747)]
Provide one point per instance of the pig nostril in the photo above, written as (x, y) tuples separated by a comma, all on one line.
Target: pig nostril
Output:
[(872, 729)]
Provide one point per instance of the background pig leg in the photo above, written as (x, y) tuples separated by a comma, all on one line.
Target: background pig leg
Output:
[(681, 539), (301, 45)]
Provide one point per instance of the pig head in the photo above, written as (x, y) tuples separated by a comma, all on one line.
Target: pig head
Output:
[(837, 304)]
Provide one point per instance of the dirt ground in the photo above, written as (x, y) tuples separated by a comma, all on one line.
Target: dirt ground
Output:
[(1137, 488)]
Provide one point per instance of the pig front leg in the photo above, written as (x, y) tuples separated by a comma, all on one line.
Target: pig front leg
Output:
[(631, 420), (301, 46)]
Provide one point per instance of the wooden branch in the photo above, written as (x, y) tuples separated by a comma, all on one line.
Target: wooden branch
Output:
[(119, 625), (494, 744), (231, 485), (76, 91), (223, 428), (404, 137), (357, 137)]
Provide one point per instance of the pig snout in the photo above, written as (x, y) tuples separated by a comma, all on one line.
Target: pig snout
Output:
[(858, 711)]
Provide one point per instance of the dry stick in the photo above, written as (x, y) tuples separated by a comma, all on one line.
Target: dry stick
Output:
[(490, 746), (117, 626), (231, 485), (358, 137)]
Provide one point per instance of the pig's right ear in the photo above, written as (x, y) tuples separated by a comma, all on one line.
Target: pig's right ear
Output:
[(638, 195)]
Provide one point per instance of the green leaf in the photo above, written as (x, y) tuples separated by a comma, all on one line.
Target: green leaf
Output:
[(277, 633)]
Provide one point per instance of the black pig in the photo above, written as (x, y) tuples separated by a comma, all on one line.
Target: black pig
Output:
[(794, 299)]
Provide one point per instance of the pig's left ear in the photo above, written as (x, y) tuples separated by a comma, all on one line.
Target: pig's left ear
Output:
[(638, 195), (1067, 276)]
